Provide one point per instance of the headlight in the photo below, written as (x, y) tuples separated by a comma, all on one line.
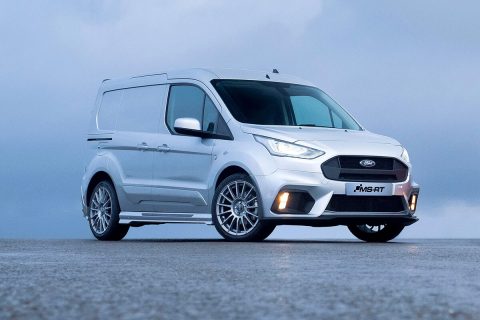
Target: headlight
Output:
[(286, 149), (405, 156)]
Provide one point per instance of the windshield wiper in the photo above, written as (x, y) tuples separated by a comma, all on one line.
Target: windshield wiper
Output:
[(312, 125)]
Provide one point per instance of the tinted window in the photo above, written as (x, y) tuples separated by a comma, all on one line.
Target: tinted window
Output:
[(210, 116), (284, 104), (134, 109), (186, 101), (310, 111), (107, 114), (141, 109)]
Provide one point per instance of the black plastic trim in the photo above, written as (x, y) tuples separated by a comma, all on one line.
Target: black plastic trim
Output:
[(299, 202), (334, 220), (344, 203), (348, 168)]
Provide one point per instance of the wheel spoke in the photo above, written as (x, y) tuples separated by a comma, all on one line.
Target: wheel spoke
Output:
[(231, 193), (97, 200), (248, 220), (243, 224), (231, 224), (224, 205), (236, 189), (248, 193), (225, 212), (226, 219), (248, 201), (243, 189), (252, 214), (227, 198)]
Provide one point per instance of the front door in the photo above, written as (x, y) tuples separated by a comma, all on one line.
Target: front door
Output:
[(182, 166)]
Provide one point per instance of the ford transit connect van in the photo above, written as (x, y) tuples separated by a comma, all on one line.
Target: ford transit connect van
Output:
[(245, 151)]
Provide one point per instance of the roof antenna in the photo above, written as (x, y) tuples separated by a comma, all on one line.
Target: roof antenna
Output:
[(275, 71)]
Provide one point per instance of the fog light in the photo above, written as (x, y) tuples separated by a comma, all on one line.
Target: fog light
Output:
[(413, 202), (283, 199)]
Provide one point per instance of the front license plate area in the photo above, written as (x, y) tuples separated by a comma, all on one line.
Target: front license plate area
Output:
[(368, 189)]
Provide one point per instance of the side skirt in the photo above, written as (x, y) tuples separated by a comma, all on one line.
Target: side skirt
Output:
[(154, 217)]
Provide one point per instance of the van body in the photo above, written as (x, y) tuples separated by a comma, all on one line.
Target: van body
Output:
[(242, 150)]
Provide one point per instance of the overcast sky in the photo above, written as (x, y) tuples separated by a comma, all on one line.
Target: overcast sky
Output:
[(407, 69)]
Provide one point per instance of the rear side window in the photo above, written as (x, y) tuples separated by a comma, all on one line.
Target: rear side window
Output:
[(134, 109), (187, 101), (141, 109), (107, 115)]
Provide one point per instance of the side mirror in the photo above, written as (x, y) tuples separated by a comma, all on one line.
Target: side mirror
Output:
[(192, 127), (190, 124)]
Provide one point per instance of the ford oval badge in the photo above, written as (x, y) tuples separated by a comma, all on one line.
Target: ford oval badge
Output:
[(367, 163)]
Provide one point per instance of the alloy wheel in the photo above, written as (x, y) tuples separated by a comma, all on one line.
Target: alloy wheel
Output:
[(237, 208), (101, 210)]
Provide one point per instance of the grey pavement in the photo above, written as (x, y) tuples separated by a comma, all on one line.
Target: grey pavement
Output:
[(202, 279)]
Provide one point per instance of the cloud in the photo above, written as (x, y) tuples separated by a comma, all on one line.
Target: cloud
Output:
[(178, 33), (453, 219)]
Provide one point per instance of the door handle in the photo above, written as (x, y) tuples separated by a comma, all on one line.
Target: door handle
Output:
[(142, 146), (163, 148)]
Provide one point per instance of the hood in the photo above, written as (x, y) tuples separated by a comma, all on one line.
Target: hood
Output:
[(340, 141)]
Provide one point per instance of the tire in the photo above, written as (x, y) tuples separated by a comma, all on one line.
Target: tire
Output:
[(237, 210), (102, 203), (372, 233)]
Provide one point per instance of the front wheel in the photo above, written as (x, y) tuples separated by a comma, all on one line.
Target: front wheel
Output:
[(103, 213), (237, 208), (376, 233)]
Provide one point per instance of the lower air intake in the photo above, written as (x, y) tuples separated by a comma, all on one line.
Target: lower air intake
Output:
[(343, 203)]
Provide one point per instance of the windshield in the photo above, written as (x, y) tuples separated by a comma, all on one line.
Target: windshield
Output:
[(283, 104)]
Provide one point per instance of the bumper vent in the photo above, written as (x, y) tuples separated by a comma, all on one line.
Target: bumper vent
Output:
[(343, 203), (348, 168)]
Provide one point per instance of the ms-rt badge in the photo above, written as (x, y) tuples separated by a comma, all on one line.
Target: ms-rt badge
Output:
[(369, 189)]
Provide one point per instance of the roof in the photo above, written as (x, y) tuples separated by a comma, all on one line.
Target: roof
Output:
[(204, 75)]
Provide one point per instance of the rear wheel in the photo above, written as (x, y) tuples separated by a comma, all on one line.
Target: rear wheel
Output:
[(376, 233), (103, 213), (237, 210)]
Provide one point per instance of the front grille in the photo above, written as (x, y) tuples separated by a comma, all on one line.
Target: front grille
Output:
[(343, 203), (348, 168)]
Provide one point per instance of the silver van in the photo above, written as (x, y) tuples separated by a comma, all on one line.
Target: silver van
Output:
[(242, 150)]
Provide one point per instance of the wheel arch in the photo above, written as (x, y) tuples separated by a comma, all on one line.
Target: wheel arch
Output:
[(96, 178), (228, 171)]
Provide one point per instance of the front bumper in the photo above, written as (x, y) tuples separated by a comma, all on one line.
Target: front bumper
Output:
[(322, 190)]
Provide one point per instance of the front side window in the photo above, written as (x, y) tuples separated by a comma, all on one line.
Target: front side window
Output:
[(274, 103), (188, 101)]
